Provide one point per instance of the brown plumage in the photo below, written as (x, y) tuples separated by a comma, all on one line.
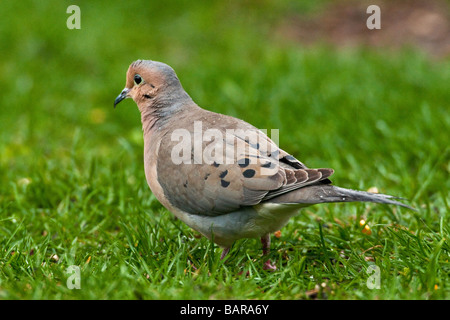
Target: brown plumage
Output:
[(240, 184)]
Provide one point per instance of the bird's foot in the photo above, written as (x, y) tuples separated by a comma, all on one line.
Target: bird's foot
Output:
[(265, 240), (269, 266)]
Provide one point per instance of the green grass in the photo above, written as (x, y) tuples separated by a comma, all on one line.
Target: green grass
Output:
[(72, 176)]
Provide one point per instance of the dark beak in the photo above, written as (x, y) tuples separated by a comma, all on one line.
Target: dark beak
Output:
[(123, 95)]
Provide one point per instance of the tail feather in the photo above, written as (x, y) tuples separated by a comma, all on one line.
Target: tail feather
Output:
[(328, 193)]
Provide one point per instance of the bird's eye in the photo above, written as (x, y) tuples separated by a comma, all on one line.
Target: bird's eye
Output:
[(137, 79)]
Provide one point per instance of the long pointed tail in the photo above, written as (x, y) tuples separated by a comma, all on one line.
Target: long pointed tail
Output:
[(329, 193)]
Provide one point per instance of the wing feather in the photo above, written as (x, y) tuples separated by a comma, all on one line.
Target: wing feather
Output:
[(251, 169)]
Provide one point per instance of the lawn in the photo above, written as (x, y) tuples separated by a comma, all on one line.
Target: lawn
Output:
[(73, 190)]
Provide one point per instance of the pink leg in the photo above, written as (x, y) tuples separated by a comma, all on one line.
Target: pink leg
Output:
[(265, 241), (224, 253)]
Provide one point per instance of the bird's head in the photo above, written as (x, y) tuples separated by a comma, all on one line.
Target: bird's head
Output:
[(150, 81)]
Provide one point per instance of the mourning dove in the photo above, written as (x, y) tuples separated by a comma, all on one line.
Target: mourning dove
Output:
[(218, 174)]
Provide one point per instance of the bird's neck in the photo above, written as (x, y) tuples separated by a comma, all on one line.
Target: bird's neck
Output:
[(160, 113), (149, 119)]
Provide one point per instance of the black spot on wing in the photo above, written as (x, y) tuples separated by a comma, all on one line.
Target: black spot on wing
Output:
[(244, 162), (268, 164), (249, 173), (223, 174), (224, 183)]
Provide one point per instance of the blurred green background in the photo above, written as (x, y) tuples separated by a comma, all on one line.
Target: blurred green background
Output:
[(72, 177)]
